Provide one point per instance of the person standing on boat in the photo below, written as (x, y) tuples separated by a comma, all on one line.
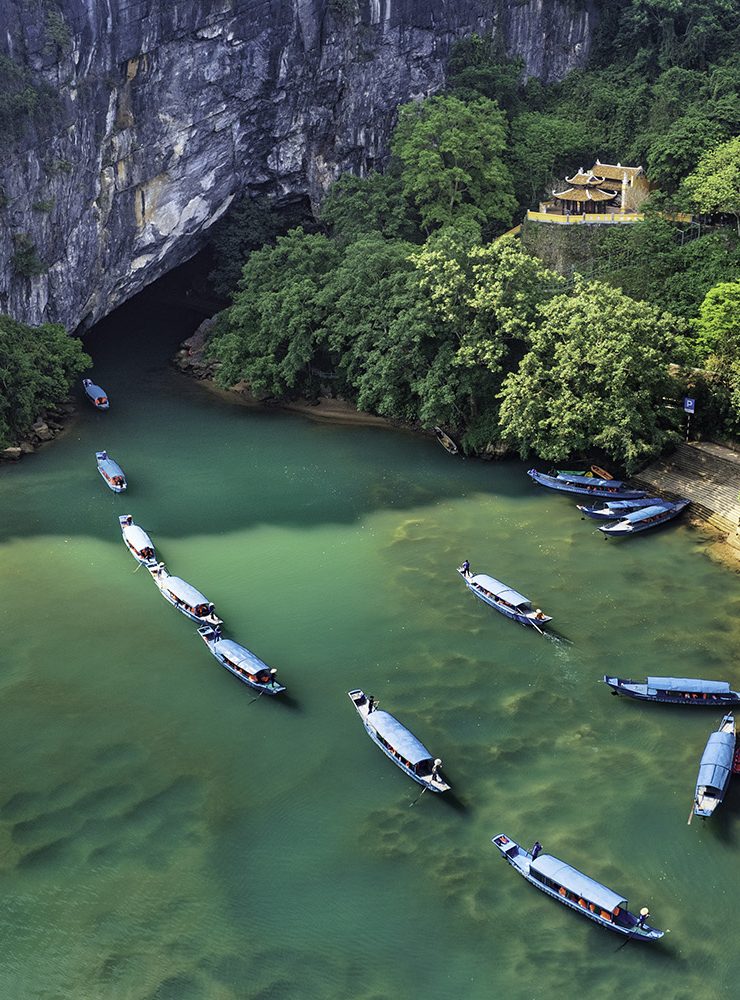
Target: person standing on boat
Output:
[(536, 849), (370, 704), (465, 568)]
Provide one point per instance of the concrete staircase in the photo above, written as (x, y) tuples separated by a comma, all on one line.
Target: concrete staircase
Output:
[(705, 473)]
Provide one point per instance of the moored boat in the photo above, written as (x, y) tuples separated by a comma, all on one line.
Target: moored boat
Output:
[(137, 541), (111, 472), (715, 768), (398, 743), (584, 484), (644, 519), (613, 510), (182, 596), (676, 690), (97, 396), (446, 441), (579, 892), (594, 471), (240, 661), (497, 595)]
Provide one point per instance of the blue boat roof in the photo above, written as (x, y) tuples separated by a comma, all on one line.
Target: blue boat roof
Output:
[(691, 684), (187, 594), (575, 881), (239, 655), (111, 467), (499, 589), (646, 512), (632, 504), (398, 736), (94, 390), (716, 761)]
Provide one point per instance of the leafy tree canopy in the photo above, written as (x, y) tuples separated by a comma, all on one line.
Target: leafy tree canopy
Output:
[(376, 203), (37, 368), (452, 166), (715, 184), (596, 376)]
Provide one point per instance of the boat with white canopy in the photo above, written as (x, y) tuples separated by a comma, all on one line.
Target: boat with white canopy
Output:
[(497, 595), (111, 472), (577, 891), (715, 769), (398, 743), (182, 596), (137, 541), (676, 690), (239, 661), (97, 396)]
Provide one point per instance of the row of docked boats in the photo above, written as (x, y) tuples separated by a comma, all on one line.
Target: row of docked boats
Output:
[(237, 659), (627, 511)]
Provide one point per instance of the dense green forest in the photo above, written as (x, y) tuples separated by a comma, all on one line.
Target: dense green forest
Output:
[(410, 303), (37, 368)]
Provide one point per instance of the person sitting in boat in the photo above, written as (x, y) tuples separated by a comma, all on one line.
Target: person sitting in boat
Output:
[(539, 614)]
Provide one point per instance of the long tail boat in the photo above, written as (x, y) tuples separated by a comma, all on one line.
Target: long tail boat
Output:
[(497, 595), (111, 472), (715, 768), (577, 891), (182, 596), (614, 510), (241, 662), (97, 396), (571, 483), (676, 691), (398, 743), (643, 520), (137, 541)]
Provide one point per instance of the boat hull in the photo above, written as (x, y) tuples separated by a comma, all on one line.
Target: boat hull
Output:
[(600, 515), (562, 486), (112, 486), (271, 688), (624, 529), (503, 609), (125, 522), (211, 619)]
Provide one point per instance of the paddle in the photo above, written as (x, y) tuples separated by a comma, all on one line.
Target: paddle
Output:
[(418, 796), (691, 814), (257, 698)]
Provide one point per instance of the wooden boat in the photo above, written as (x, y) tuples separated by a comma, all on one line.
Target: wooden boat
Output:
[(609, 488), (642, 520), (676, 690), (97, 396), (111, 472), (594, 471), (715, 769), (182, 596), (398, 743), (137, 541), (579, 892), (240, 661), (446, 441), (497, 595), (613, 510)]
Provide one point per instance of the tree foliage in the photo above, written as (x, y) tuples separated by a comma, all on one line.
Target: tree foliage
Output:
[(451, 154), (715, 184), (595, 376), (37, 368)]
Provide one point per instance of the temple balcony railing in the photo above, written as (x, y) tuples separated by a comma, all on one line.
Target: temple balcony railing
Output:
[(601, 218)]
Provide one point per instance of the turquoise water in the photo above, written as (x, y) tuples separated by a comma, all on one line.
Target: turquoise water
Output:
[(162, 835)]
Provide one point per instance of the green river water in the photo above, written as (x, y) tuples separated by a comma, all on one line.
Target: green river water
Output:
[(163, 836)]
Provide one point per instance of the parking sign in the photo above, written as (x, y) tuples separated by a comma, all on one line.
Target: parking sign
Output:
[(689, 404)]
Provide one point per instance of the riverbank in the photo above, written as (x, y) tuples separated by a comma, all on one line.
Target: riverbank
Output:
[(49, 425)]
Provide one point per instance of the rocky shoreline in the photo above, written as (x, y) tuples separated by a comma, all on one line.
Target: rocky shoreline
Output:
[(48, 425)]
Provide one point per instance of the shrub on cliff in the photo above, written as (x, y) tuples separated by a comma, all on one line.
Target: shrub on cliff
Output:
[(37, 368)]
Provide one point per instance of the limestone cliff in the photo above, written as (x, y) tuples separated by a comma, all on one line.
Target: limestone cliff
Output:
[(169, 108)]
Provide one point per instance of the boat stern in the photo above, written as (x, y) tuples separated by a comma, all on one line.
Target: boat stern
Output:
[(360, 700)]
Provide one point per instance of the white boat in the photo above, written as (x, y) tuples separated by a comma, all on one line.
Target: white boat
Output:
[(137, 541), (111, 472), (182, 596)]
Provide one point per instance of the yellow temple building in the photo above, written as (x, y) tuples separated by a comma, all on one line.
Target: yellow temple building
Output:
[(607, 192)]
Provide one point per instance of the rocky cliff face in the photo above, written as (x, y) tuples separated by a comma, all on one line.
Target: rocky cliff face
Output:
[(169, 108)]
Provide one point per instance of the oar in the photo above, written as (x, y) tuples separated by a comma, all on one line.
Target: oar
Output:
[(418, 796), (691, 814), (257, 698)]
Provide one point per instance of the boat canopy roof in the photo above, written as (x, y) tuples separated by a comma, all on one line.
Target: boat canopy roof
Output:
[(645, 513), (690, 684), (111, 467), (589, 480), (398, 736), (93, 390), (499, 589), (716, 761), (187, 594), (575, 881), (137, 537), (239, 656), (630, 505)]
